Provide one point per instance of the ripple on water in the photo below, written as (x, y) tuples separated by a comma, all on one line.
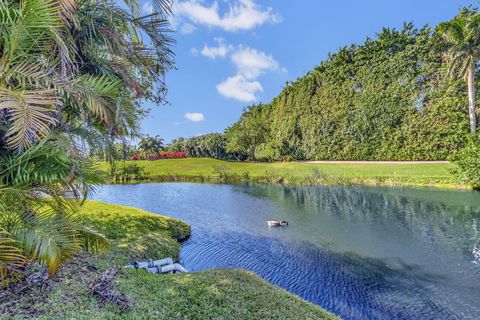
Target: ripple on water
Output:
[(362, 253)]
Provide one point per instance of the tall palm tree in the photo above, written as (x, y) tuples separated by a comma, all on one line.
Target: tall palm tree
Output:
[(461, 36)]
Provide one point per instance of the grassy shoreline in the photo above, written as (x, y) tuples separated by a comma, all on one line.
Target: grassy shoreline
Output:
[(137, 234), (415, 174)]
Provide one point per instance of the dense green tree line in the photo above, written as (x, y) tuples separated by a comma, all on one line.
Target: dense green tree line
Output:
[(390, 98), (212, 145)]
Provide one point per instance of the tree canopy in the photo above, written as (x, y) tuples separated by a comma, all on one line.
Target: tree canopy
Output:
[(151, 144), (389, 98), (461, 37)]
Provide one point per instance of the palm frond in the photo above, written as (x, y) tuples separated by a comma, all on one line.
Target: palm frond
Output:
[(93, 140), (68, 8), (44, 163), (462, 42), (45, 237), (11, 258), (27, 24), (52, 237), (96, 95), (31, 115), (93, 240), (27, 73)]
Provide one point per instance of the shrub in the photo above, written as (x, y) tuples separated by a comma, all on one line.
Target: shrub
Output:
[(128, 172), (467, 162), (222, 170)]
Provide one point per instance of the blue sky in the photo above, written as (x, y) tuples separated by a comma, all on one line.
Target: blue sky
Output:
[(233, 53)]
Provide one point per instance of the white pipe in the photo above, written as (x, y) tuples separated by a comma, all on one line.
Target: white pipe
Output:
[(163, 262), (176, 267), (152, 270), (158, 266), (142, 264), (152, 263)]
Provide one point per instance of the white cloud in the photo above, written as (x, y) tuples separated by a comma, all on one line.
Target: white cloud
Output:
[(194, 52), (220, 51), (187, 28), (252, 63), (176, 123), (239, 88), (147, 7), (195, 116), (240, 15)]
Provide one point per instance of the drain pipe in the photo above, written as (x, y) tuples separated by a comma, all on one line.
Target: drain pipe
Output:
[(170, 268), (158, 266), (152, 263)]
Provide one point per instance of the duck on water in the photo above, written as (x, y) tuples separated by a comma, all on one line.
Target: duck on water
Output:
[(277, 223)]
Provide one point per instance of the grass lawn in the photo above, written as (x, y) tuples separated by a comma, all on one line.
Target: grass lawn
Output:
[(395, 174), (137, 234)]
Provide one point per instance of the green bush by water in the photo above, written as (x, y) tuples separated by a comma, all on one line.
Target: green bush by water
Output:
[(467, 162)]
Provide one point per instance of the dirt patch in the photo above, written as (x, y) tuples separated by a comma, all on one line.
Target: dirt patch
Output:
[(102, 288), (20, 297), (26, 297)]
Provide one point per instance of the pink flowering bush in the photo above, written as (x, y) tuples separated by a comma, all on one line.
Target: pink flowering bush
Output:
[(160, 155), (138, 156)]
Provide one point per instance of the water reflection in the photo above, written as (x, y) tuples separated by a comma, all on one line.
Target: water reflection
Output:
[(363, 253)]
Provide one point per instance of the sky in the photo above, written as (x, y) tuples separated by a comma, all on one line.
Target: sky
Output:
[(235, 53)]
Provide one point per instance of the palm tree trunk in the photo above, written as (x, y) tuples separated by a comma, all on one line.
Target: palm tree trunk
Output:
[(471, 99)]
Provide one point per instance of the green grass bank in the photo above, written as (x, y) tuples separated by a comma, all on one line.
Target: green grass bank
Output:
[(137, 234), (389, 174)]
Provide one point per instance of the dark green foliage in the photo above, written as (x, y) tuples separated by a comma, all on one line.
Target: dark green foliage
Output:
[(151, 144), (387, 99), (461, 40), (127, 172), (177, 145), (212, 145), (251, 131), (222, 171), (467, 162), (125, 150)]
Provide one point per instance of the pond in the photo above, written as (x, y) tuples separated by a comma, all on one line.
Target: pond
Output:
[(360, 252)]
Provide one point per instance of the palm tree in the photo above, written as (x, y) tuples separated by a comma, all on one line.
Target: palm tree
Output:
[(108, 58), (151, 144), (461, 37), (38, 228), (73, 75)]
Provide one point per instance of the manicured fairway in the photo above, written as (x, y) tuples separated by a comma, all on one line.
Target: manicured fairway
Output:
[(401, 174)]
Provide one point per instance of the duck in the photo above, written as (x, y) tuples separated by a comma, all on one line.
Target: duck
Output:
[(277, 223)]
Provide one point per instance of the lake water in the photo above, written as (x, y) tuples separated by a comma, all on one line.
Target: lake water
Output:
[(360, 252)]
